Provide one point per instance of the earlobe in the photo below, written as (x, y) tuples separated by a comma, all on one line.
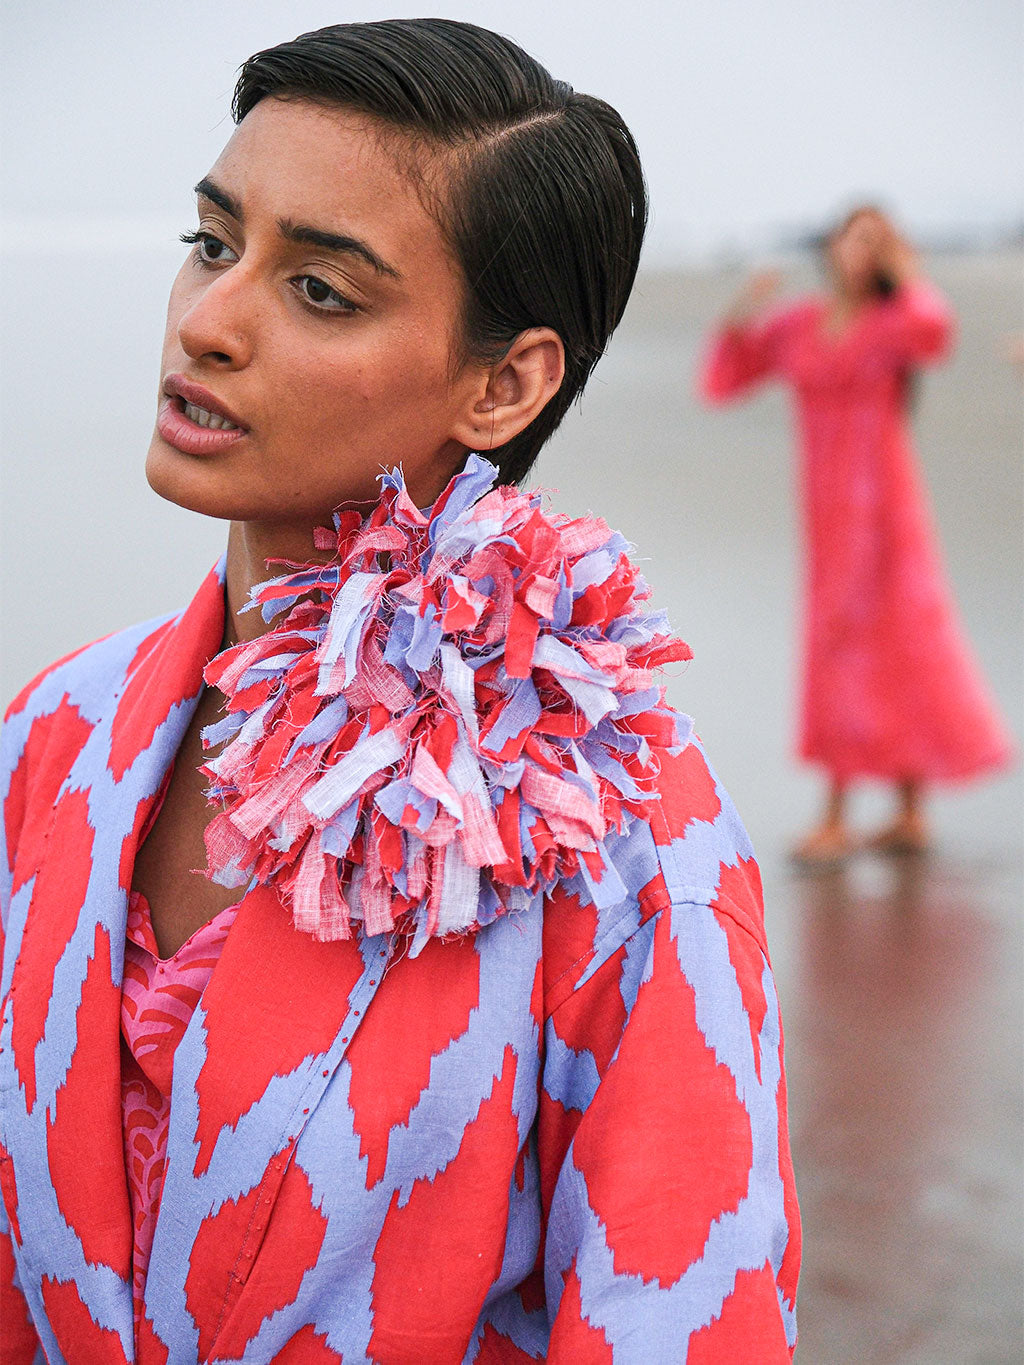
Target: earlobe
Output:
[(515, 389)]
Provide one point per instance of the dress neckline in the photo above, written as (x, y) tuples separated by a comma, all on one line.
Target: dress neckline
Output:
[(839, 337), (140, 928)]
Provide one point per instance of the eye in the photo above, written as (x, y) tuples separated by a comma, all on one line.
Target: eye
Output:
[(210, 250), (321, 296)]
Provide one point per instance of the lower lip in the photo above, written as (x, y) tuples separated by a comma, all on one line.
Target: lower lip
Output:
[(189, 437)]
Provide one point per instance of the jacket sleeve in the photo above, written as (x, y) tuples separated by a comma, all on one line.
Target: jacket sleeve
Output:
[(19, 1344), (917, 325), (739, 356), (672, 1225), (9, 826)]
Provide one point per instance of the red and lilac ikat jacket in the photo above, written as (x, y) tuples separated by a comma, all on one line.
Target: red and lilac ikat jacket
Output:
[(560, 1137)]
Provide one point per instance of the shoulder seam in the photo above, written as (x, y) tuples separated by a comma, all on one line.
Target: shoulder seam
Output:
[(741, 918), (653, 903)]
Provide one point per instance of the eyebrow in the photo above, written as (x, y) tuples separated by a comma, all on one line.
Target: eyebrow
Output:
[(302, 232), (334, 241), (220, 197)]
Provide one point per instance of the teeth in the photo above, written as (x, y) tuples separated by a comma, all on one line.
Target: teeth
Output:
[(203, 418)]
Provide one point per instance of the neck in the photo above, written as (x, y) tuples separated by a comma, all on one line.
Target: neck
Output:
[(847, 298), (250, 545)]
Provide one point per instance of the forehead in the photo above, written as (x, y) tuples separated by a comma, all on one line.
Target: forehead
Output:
[(862, 225), (331, 168)]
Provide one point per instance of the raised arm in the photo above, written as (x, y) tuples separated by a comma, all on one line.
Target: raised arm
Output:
[(745, 348), (916, 324)]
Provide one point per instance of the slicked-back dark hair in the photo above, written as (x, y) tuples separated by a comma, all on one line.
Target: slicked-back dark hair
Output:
[(545, 205)]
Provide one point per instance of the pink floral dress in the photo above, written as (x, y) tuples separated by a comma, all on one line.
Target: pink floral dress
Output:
[(158, 997)]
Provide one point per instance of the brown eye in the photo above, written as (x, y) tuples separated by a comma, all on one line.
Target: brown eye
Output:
[(209, 250), (317, 290), (320, 295)]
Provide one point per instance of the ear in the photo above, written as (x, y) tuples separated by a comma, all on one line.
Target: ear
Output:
[(510, 394)]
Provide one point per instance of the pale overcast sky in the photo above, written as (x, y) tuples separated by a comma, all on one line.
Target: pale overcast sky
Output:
[(752, 117)]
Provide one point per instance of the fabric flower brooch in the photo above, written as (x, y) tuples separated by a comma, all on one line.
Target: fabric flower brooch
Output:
[(452, 714)]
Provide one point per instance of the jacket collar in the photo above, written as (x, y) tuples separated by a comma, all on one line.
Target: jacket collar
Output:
[(259, 1051)]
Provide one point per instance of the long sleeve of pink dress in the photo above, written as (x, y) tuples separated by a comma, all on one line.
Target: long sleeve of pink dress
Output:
[(890, 687)]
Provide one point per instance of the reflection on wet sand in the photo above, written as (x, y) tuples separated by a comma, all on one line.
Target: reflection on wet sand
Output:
[(904, 1058)]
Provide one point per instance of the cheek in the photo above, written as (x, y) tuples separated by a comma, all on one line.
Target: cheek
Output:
[(404, 373), (847, 257)]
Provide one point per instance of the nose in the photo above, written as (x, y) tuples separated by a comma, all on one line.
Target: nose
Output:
[(217, 325)]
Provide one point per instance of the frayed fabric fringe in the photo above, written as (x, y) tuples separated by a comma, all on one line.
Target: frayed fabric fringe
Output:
[(452, 714)]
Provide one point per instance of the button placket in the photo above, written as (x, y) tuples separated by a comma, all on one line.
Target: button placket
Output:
[(363, 992)]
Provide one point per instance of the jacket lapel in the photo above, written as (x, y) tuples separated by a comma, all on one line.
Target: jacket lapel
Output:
[(60, 1077), (273, 1024)]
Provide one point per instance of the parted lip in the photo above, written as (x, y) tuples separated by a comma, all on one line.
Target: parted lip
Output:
[(177, 386)]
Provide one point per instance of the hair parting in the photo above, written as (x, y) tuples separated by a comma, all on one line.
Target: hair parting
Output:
[(538, 189)]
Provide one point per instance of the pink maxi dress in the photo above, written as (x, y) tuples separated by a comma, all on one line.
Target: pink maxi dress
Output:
[(890, 687)]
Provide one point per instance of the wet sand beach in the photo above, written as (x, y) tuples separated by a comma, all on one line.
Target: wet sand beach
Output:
[(900, 980)]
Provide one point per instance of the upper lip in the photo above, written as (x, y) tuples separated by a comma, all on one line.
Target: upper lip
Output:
[(177, 386)]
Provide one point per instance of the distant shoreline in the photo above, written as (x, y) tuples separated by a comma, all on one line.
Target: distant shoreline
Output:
[(145, 234)]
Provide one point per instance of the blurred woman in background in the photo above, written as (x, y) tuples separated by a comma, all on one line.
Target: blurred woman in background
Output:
[(890, 689)]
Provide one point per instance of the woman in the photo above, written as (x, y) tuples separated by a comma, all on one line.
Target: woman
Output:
[(890, 690), (468, 1050)]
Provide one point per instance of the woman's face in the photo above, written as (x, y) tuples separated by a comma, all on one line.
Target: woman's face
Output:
[(318, 315), (855, 251)]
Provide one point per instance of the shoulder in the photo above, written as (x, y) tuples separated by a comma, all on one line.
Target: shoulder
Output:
[(691, 856), (781, 327), (76, 690), (920, 295), (918, 302)]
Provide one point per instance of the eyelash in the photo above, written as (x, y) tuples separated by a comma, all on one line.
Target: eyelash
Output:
[(197, 239)]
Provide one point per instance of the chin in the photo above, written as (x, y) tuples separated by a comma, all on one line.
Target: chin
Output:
[(195, 485), (228, 491)]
